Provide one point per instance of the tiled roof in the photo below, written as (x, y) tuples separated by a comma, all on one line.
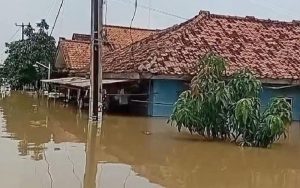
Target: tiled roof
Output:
[(270, 49), (76, 52), (118, 36)]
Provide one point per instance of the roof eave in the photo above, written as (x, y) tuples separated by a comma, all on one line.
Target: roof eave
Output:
[(294, 82), (150, 76), (145, 76)]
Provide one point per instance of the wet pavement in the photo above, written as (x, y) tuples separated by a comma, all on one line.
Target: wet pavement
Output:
[(46, 144)]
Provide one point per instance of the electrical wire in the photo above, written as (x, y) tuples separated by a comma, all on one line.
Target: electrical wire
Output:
[(13, 36), (130, 29), (133, 17), (58, 13), (60, 25), (9, 40), (163, 12), (155, 10), (51, 8)]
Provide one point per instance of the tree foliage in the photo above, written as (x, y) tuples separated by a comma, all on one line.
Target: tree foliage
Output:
[(229, 109), (19, 67)]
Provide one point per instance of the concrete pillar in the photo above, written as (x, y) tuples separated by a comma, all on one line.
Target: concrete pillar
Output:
[(68, 95), (78, 97)]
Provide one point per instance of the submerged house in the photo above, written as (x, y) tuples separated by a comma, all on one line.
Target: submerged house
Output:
[(165, 61), (162, 63), (73, 56), (73, 62)]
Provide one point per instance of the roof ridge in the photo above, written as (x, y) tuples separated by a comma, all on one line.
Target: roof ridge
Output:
[(75, 41), (125, 27), (81, 34), (250, 18), (134, 28)]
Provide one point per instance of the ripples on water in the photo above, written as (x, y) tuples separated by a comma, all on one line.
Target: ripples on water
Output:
[(45, 144)]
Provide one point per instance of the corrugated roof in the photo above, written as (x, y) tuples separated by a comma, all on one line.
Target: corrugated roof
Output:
[(79, 82)]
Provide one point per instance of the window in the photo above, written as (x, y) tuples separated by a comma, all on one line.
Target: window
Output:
[(289, 100)]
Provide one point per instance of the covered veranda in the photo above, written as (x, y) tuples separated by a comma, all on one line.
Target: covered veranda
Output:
[(118, 94)]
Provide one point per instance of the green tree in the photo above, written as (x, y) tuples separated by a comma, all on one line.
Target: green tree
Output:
[(20, 66), (228, 108)]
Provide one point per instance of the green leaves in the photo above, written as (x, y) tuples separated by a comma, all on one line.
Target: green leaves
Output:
[(22, 55), (243, 110), (216, 108), (244, 84), (280, 107)]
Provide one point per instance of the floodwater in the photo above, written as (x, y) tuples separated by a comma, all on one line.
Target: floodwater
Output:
[(45, 144)]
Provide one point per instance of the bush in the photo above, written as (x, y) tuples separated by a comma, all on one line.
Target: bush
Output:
[(229, 109)]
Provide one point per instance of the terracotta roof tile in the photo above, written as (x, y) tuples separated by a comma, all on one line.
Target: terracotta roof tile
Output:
[(270, 49), (76, 52)]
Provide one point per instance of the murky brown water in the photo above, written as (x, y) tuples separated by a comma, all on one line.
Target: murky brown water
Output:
[(44, 144)]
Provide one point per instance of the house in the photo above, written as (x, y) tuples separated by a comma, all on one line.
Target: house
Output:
[(167, 60), (73, 60), (73, 56)]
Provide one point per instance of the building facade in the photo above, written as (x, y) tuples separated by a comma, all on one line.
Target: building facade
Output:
[(164, 94)]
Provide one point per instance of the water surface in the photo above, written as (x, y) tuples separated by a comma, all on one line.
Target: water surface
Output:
[(47, 144)]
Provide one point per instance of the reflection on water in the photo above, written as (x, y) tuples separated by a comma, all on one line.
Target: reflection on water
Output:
[(45, 144)]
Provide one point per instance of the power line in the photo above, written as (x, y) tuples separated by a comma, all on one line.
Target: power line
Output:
[(155, 10), (52, 7), (130, 30), (13, 36), (132, 19), (61, 4), (60, 24), (9, 40), (134, 13)]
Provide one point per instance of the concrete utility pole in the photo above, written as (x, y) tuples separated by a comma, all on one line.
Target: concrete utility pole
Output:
[(95, 107), (22, 27)]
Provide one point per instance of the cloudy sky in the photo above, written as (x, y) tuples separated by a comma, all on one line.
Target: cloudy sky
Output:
[(75, 15)]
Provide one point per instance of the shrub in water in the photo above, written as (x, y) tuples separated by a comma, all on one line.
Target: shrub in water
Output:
[(228, 108)]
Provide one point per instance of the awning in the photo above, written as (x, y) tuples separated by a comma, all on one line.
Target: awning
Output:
[(79, 82)]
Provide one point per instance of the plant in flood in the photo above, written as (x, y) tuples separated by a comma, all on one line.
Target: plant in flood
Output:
[(229, 109)]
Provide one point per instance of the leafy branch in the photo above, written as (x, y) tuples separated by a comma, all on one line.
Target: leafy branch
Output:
[(229, 109)]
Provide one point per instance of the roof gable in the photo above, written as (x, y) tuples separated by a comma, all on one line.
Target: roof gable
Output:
[(76, 54)]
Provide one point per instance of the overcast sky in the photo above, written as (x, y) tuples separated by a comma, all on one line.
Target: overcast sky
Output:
[(75, 15)]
